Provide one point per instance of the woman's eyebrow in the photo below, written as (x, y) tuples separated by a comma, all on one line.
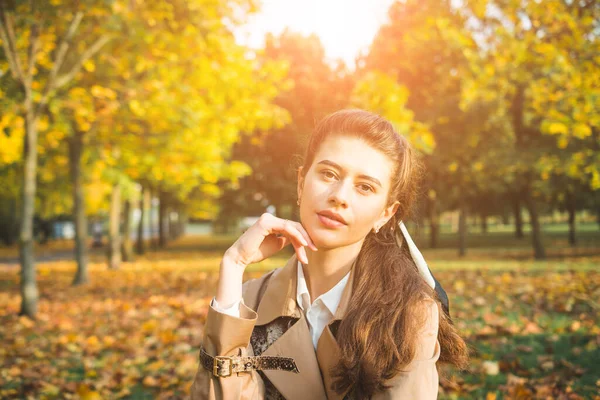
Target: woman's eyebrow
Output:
[(362, 176)]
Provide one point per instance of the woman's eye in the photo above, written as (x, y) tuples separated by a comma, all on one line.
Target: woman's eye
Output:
[(328, 174), (366, 187)]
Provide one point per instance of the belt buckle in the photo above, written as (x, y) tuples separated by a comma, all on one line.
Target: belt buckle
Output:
[(218, 367)]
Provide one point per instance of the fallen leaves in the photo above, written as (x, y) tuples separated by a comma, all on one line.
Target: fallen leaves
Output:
[(136, 331)]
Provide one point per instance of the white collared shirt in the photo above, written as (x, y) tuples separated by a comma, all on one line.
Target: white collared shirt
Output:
[(318, 313)]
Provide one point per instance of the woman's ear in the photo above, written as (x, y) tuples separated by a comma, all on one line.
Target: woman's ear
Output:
[(300, 182), (388, 213)]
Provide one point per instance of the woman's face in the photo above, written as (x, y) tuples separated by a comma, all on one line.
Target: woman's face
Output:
[(348, 178)]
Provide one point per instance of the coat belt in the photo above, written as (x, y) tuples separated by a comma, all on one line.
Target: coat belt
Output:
[(224, 366)]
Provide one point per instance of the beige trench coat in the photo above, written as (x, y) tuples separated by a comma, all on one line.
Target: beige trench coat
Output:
[(225, 335)]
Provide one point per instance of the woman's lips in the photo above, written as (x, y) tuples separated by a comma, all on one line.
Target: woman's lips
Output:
[(330, 223)]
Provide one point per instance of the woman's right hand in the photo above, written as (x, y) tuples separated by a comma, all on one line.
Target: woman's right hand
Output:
[(263, 239), (266, 237)]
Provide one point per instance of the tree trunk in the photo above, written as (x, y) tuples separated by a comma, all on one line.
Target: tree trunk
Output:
[(518, 218), (153, 222), (536, 232), (484, 225), (162, 219), (126, 252), (29, 291), (571, 209), (434, 222), (462, 228), (114, 232), (139, 246), (173, 224), (183, 220), (75, 152)]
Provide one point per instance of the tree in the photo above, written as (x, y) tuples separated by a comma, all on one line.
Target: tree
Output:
[(421, 48), (536, 62), (39, 55)]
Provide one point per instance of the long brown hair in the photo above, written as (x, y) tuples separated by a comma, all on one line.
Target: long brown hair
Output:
[(379, 332)]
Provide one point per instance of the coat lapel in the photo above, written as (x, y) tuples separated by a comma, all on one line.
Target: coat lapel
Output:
[(328, 355), (279, 300), (296, 343), (328, 351)]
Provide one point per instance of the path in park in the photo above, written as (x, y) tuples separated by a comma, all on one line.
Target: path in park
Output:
[(48, 255), (61, 255)]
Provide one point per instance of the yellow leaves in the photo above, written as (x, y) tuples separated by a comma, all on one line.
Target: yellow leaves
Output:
[(12, 132), (43, 124), (381, 93), (50, 390), (459, 285), (150, 381), (545, 175), (93, 341), (562, 142), (86, 393), (453, 167), (545, 48), (149, 326), (556, 128), (155, 307), (581, 131), (103, 92), (136, 108), (167, 337), (156, 366), (479, 8), (78, 93), (26, 322), (89, 66)]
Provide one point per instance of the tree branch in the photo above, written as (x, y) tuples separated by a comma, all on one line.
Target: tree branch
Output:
[(63, 46), (8, 42), (32, 53), (90, 52)]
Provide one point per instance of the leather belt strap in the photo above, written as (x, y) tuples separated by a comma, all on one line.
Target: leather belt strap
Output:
[(224, 366)]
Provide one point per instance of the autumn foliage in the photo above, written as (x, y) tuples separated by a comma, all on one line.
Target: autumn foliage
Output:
[(134, 332)]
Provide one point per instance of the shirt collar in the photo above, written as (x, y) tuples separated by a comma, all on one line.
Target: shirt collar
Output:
[(331, 298)]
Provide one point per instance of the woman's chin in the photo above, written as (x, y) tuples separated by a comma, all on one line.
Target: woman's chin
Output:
[(326, 238)]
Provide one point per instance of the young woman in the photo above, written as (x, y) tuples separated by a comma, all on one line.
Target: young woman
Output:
[(355, 312)]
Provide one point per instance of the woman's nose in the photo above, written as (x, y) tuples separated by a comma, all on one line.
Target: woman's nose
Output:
[(340, 193)]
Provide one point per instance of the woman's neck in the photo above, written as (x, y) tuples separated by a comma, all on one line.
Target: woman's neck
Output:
[(327, 267)]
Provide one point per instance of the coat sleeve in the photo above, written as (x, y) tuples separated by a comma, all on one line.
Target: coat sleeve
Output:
[(419, 380), (226, 335)]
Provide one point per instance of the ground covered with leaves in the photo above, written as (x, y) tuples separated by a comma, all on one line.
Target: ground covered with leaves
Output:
[(135, 332)]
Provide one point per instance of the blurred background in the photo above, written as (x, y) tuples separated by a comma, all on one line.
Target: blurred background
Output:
[(138, 139)]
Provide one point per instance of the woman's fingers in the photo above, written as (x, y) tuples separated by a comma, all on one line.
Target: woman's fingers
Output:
[(293, 228), (301, 229), (297, 226), (301, 252), (293, 231)]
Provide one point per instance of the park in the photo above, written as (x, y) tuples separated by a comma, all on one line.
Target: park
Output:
[(139, 140)]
